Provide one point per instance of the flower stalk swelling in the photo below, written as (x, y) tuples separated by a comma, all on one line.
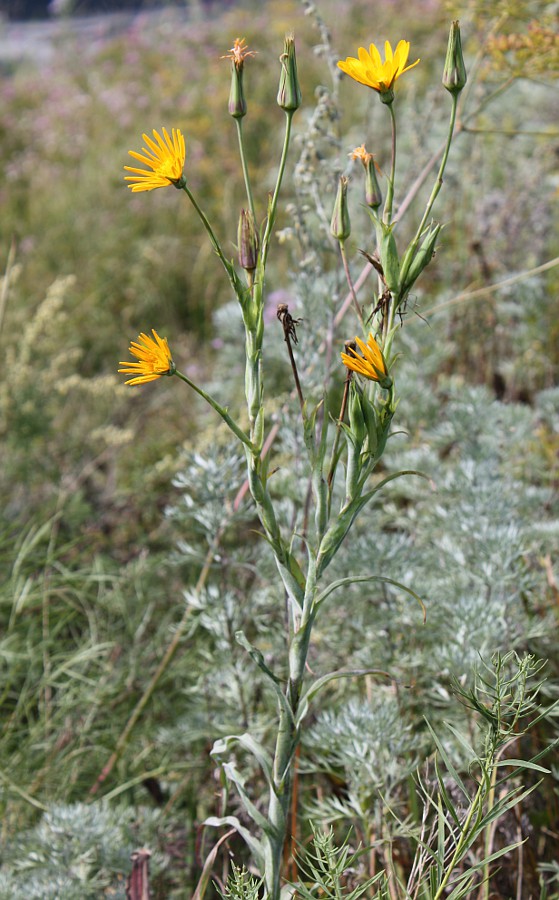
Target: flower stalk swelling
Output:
[(369, 405)]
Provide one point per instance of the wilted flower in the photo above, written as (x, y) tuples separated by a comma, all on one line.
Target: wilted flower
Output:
[(238, 53), (154, 359), (373, 194), (165, 156), (370, 70), (371, 365)]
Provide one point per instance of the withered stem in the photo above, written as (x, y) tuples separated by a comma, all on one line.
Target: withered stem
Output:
[(289, 333)]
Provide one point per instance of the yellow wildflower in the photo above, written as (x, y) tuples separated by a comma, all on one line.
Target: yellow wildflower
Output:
[(165, 156), (371, 365), (370, 70), (154, 359)]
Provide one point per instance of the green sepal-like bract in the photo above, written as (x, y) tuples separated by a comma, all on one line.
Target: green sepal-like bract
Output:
[(416, 259), (388, 256)]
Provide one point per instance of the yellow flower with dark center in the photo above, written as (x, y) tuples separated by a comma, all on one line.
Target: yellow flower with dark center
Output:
[(370, 70), (154, 359), (371, 364), (164, 156)]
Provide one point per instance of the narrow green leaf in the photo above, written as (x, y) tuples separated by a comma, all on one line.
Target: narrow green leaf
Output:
[(448, 763), (254, 845), (362, 579), (444, 794), (317, 686), (522, 764), (258, 658)]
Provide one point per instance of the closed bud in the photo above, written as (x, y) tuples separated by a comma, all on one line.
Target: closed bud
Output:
[(413, 265), (373, 194), (247, 241), (340, 226), (371, 424), (357, 426), (289, 91), (389, 257), (454, 75), (237, 103)]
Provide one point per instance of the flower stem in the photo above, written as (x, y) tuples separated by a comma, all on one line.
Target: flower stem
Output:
[(387, 214), (436, 188), (231, 274), (246, 176), (275, 197), (343, 254), (220, 410)]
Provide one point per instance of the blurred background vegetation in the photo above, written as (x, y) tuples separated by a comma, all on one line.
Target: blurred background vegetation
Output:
[(111, 497)]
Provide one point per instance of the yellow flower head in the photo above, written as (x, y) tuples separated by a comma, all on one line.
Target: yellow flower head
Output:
[(371, 365), (370, 70), (154, 359), (165, 157), (239, 52)]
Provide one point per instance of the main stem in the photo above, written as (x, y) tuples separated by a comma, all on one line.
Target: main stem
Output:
[(286, 744), (300, 588)]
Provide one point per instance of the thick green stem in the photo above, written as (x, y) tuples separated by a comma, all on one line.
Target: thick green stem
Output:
[(286, 743)]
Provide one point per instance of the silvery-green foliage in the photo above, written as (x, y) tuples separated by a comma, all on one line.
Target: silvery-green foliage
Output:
[(329, 870), (80, 851), (207, 485), (241, 885), (224, 691), (368, 747)]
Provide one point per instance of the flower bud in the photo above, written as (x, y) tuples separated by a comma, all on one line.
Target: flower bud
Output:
[(340, 226), (373, 195), (289, 92), (454, 75), (357, 427), (420, 259), (237, 103), (371, 424), (247, 241), (389, 257)]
